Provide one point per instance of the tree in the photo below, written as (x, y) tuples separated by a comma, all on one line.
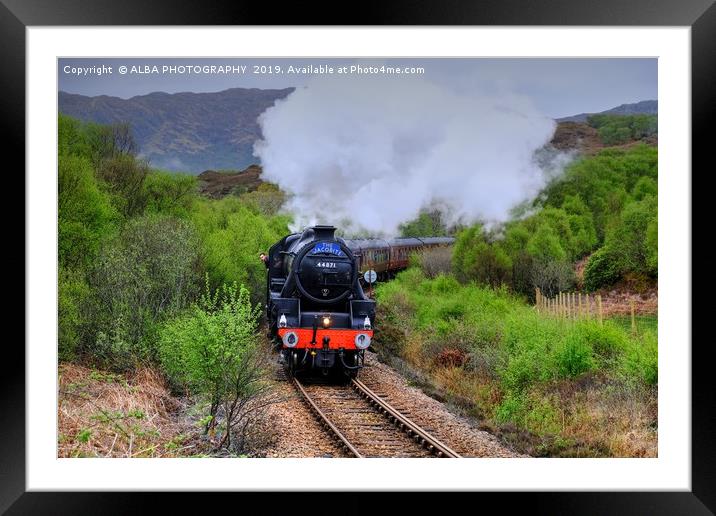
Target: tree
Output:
[(213, 351), (148, 271), (85, 213)]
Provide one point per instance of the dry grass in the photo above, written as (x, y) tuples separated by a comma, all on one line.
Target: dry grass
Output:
[(618, 420), (103, 414), (591, 418)]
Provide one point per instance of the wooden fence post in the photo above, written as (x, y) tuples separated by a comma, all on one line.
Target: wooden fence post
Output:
[(599, 308), (633, 316)]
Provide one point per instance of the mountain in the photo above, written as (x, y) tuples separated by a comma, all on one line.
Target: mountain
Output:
[(188, 132), (645, 107)]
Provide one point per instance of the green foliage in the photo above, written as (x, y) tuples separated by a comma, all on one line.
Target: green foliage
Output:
[(266, 200), (619, 129), (583, 236), (603, 182), (84, 435), (602, 270), (514, 356), (169, 193), (630, 247), (123, 177), (232, 237), (527, 348), (214, 337), (85, 213), (73, 294), (212, 350), (475, 259), (544, 245), (427, 223), (628, 240), (574, 356), (149, 270), (641, 361), (134, 243), (512, 409), (652, 246)]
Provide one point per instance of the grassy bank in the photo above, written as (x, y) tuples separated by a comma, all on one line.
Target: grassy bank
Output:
[(551, 387)]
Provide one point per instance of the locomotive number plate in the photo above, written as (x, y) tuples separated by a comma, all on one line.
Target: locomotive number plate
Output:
[(326, 265)]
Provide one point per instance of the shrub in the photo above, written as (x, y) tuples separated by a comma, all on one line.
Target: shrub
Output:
[(476, 259), (85, 214), (232, 237), (434, 262), (652, 247), (628, 240), (544, 245), (641, 359), (427, 224), (574, 356), (72, 296), (552, 277), (512, 409), (601, 270), (169, 193), (213, 351), (149, 270), (124, 176), (266, 200)]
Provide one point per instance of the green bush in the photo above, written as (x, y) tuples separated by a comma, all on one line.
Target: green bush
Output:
[(552, 277), (476, 259), (652, 247), (619, 129), (85, 213), (232, 237), (602, 270), (574, 356), (641, 360), (73, 294), (628, 241), (123, 176), (150, 270), (213, 351), (169, 193), (427, 224), (512, 409)]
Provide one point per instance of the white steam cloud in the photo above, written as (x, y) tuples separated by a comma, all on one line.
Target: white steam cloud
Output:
[(368, 153)]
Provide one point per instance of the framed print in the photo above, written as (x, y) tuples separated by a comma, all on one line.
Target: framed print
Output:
[(256, 252)]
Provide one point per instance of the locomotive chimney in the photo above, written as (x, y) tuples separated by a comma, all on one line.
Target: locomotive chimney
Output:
[(324, 232)]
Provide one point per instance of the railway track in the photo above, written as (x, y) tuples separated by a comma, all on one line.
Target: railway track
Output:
[(366, 425)]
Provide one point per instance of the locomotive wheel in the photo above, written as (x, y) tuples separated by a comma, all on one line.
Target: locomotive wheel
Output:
[(292, 363)]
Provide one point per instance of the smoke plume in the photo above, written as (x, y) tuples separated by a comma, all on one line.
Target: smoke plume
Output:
[(368, 153)]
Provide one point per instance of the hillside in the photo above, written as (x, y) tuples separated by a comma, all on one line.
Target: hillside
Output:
[(645, 107), (187, 132), (216, 185)]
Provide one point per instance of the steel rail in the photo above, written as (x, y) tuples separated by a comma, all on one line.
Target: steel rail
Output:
[(421, 436), (327, 422)]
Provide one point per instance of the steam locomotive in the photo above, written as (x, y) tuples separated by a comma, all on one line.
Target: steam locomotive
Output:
[(318, 313)]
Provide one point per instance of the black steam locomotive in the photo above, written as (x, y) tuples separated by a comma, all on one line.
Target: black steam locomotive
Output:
[(316, 306), (318, 313)]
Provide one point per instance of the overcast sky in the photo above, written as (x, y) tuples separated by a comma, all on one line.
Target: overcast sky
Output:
[(558, 87)]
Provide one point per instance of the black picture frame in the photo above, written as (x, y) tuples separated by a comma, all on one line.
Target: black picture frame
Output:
[(700, 15)]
